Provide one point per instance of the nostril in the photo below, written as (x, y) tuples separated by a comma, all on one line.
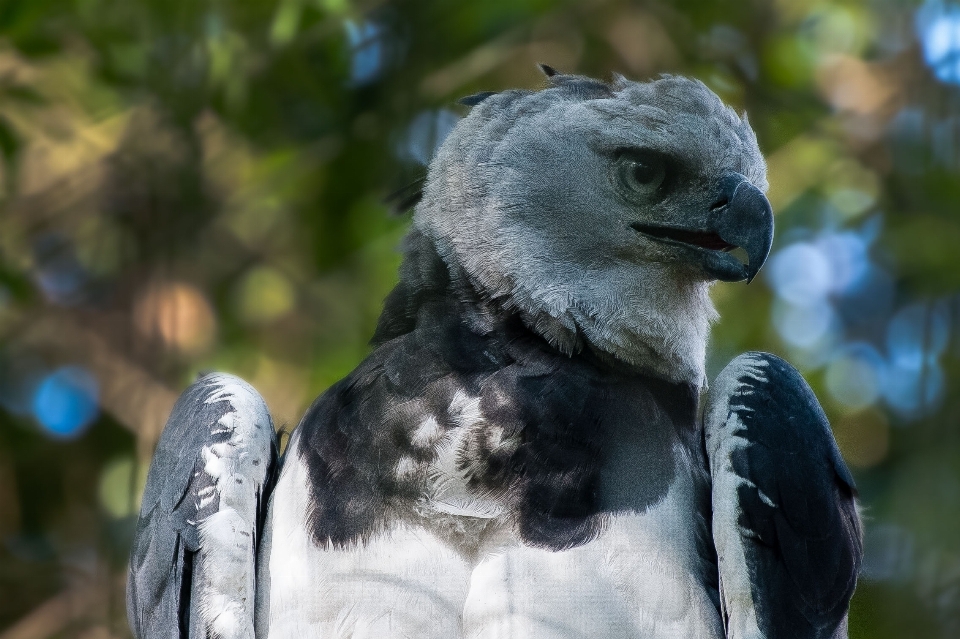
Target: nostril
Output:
[(719, 204)]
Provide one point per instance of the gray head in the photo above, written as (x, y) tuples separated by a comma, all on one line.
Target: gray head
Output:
[(602, 213)]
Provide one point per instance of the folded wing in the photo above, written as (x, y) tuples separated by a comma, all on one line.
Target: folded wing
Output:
[(785, 523), (193, 560)]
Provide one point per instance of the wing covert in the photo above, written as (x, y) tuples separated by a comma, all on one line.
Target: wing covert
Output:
[(785, 523), (193, 560)]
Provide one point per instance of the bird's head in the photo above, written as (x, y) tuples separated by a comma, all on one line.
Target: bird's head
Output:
[(601, 213)]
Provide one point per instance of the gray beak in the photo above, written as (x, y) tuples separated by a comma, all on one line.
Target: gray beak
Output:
[(745, 219)]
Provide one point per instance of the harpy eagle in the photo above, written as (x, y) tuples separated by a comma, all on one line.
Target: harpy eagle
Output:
[(523, 454)]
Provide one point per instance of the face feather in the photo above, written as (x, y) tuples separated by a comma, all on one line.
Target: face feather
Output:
[(600, 213)]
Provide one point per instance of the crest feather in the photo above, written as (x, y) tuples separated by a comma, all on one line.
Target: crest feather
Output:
[(548, 70)]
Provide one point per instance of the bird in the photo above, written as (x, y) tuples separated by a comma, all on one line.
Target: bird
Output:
[(531, 449)]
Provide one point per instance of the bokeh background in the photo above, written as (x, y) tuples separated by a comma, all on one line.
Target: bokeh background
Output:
[(196, 185)]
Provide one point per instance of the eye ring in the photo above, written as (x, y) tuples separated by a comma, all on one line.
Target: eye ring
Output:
[(641, 174)]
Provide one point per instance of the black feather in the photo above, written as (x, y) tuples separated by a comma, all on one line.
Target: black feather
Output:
[(548, 70), (406, 197), (589, 440), (475, 99), (807, 545)]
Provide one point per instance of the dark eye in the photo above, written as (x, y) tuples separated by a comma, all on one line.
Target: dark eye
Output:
[(641, 175)]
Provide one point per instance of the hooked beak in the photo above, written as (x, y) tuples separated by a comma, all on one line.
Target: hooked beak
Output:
[(741, 218), (745, 221)]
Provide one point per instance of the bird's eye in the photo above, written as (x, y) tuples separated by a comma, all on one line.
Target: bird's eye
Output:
[(641, 175)]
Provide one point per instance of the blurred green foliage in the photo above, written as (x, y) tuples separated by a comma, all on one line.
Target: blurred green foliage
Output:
[(200, 185)]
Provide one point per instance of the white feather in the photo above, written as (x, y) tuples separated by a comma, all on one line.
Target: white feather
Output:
[(224, 569), (640, 578)]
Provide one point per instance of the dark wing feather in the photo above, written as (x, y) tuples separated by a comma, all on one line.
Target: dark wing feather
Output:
[(786, 528), (194, 551)]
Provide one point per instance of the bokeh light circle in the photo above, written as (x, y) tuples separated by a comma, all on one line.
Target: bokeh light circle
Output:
[(856, 376), (800, 273), (804, 326), (938, 28), (66, 401)]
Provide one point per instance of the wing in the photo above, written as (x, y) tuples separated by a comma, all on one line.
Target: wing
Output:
[(785, 522), (193, 560)]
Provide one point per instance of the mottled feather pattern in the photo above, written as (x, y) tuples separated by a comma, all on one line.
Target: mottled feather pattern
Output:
[(553, 441), (194, 556)]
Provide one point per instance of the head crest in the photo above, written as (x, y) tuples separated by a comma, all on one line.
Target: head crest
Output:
[(548, 70)]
